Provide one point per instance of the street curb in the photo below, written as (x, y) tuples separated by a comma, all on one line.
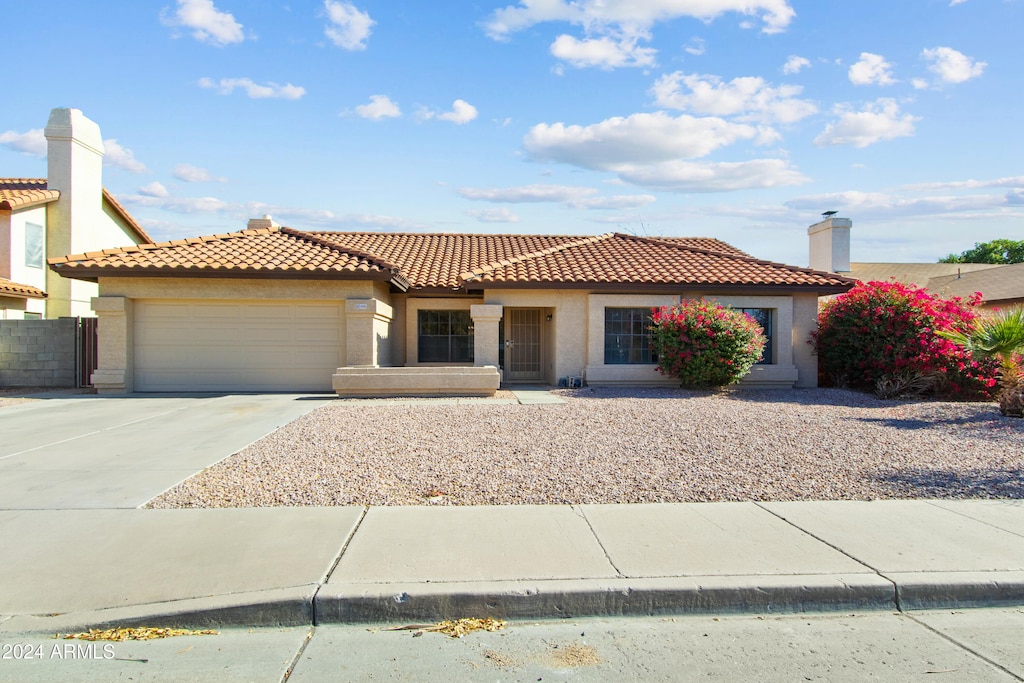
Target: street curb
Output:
[(947, 590), (366, 603), (275, 607)]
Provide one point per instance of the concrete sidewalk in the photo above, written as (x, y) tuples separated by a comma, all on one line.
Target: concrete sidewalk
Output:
[(66, 570)]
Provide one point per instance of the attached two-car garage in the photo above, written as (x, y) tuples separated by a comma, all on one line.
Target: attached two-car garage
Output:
[(237, 345)]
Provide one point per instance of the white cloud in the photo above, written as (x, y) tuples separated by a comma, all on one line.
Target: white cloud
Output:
[(121, 157), (952, 66), (890, 205), (795, 64), (379, 107), (750, 96), (872, 69), (606, 52), (919, 83), (30, 142), (462, 112), (1010, 181), (618, 201), (254, 90), (879, 120), (195, 174), (33, 142), (954, 3), (500, 215), (696, 47), (527, 194), (349, 28), (154, 189), (602, 16), (687, 176), (208, 24), (573, 196), (636, 139)]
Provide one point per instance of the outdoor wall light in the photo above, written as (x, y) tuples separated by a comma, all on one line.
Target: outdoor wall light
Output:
[(549, 317)]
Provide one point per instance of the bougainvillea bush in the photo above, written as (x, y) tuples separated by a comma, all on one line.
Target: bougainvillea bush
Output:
[(882, 336), (703, 344)]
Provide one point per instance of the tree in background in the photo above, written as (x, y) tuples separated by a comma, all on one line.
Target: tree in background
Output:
[(996, 251)]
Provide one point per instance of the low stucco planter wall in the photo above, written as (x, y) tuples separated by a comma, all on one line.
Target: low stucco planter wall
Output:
[(354, 382)]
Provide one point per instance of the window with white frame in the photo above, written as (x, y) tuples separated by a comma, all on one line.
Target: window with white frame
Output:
[(34, 243)]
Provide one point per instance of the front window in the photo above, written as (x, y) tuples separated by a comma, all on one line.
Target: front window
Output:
[(445, 337), (627, 339), (763, 317), (33, 245)]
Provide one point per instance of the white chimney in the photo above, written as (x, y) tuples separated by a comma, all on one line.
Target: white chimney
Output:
[(74, 167), (265, 222), (830, 244)]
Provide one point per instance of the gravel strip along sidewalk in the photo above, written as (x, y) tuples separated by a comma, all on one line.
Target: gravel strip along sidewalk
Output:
[(624, 446)]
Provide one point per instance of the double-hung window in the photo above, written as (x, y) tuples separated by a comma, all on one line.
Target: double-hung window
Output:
[(445, 337), (627, 339)]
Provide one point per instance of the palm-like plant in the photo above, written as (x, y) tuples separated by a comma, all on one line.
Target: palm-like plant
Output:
[(1000, 335)]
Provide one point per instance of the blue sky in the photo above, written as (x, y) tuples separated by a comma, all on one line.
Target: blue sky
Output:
[(736, 119)]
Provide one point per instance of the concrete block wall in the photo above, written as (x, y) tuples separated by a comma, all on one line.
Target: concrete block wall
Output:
[(38, 353)]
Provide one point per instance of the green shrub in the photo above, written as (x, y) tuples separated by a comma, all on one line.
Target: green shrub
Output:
[(703, 344)]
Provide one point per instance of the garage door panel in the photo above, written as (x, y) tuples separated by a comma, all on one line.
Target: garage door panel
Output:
[(237, 346)]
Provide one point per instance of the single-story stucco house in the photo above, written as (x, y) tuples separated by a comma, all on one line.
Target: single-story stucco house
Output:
[(271, 308)]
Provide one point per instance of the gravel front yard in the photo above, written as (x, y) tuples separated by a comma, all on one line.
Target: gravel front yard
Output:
[(624, 446)]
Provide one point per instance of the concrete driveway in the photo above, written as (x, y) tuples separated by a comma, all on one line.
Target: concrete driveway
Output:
[(98, 452)]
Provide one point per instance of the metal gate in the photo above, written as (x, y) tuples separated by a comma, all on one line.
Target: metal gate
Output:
[(86, 351), (523, 348)]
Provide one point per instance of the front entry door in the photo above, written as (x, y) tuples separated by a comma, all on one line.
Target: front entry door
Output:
[(523, 349)]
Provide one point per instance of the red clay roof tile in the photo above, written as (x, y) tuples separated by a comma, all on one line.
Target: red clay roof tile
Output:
[(9, 288), (454, 261)]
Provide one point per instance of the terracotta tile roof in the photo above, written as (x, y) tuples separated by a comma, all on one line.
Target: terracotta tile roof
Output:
[(21, 193), (625, 259), (452, 261), (265, 251), (8, 288)]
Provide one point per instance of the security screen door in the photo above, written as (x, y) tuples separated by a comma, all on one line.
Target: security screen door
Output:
[(523, 345)]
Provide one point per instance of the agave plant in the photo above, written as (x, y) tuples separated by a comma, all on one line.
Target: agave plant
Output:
[(1000, 335)]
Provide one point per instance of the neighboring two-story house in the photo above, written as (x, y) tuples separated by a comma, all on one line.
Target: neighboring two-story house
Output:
[(66, 212)]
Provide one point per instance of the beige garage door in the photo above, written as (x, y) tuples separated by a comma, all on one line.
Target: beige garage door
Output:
[(237, 345)]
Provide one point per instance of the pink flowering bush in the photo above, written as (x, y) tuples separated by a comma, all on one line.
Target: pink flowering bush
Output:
[(703, 344), (884, 335)]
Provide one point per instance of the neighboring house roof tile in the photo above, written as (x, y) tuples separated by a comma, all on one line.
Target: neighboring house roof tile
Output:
[(999, 283), (9, 288), (21, 193), (451, 261), (996, 282), (917, 274)]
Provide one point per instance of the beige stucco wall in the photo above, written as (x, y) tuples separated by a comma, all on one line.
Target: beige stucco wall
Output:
[(368, 327), (565, 335), (413, 305), (597, 372), (805, 321)]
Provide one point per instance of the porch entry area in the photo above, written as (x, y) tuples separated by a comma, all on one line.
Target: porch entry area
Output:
[(522, 339)]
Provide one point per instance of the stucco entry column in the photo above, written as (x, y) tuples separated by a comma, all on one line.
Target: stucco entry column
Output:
[(367, 330), (485, 333), (113, 374)]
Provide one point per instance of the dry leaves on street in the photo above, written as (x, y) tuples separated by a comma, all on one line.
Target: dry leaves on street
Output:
[(140, 633), (454, 628)]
